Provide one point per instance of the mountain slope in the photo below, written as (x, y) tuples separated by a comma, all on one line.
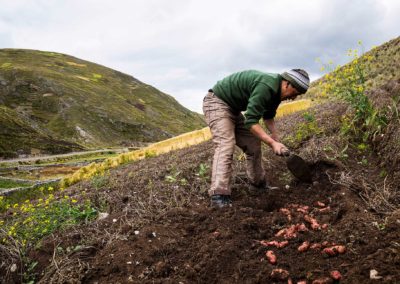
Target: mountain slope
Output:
[(16, 133), (86, 104), (383, 66)]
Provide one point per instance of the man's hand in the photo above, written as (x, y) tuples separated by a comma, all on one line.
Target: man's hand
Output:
[(279, 148), (276, 146)]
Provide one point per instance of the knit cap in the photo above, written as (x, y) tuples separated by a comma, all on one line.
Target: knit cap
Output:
[(298, 78)]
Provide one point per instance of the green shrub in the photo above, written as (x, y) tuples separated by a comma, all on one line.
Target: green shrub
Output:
[(349, 83)]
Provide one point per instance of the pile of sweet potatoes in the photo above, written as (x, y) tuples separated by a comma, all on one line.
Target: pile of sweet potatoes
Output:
[(287, 234)]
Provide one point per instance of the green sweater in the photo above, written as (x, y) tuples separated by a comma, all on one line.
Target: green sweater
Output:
[(252, 91)]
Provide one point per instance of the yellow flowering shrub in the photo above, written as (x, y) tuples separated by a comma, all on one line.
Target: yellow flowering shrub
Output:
[(348, 83), (32, 220)]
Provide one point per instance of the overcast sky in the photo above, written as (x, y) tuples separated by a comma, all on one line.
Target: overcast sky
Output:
[(183, 47)]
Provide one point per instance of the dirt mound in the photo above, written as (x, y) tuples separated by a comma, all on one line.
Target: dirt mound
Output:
[(198, 244)]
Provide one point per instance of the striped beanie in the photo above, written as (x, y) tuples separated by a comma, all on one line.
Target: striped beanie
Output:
[(298, 78)]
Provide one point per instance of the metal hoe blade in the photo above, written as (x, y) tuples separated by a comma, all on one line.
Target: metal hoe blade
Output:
[(299, 168)]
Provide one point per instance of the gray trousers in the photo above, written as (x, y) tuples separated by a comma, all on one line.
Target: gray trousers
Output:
[(227, 129)]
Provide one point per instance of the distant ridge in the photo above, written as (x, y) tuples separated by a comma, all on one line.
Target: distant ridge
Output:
[(53, 103)]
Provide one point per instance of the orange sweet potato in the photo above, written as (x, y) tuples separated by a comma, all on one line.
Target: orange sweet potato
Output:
[(274, 244), (324, 210), (340, 249), (271, 256), (286, 212), (301, 227), (304, 246), (316, 246), (313, 222), (336, 275), (303, 209), (268, 244), (281, 233), (334, 250), (283, 244), (279, 274), (329, 251), (325, 243), (287, 233), (315, 226)]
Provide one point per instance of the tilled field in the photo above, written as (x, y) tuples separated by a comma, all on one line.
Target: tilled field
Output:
[(299, 233)]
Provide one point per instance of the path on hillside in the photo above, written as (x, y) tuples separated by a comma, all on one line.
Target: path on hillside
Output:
[(71, 154)]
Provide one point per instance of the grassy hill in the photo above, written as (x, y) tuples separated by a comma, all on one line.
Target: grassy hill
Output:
[(50, 97)]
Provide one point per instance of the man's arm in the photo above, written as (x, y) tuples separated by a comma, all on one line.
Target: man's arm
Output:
[(259, 132), (270, 124)]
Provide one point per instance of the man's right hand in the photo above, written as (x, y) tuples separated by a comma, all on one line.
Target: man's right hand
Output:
[(279, 148), (276, 146)]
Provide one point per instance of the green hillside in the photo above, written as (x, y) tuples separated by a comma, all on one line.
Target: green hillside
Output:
[(18, 136), (383, 65), (48, 97)]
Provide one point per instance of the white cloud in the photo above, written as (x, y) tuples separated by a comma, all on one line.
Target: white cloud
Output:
[(184, 47)]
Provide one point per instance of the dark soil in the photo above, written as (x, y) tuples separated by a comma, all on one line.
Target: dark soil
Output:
[(198, 244), (160, 228)]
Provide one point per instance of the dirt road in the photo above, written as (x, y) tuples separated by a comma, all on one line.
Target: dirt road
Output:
[(51, 157)]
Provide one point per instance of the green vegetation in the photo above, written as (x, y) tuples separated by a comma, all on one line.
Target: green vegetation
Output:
[(7, 183), (31, 221), (99, 180), (203, 174), (381, 65), (304, 131), (59, 103), (203, 171), (369, 131), (175, 177), (349, 83)]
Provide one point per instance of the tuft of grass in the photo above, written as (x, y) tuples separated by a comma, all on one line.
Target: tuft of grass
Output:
[(304, 131), (99, 180)]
